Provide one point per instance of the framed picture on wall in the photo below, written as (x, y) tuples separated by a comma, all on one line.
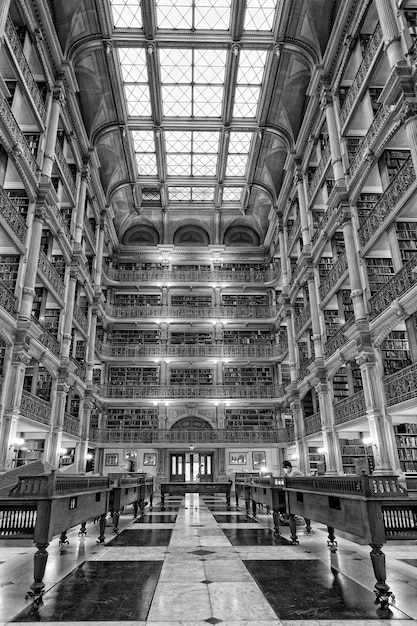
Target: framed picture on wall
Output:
[(149, 458), (111, 459), (258, 460), (237, 458)]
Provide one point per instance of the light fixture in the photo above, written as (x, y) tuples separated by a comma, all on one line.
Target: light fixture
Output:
[(89, 457), (321, 450), (367, 441), (63, 451), (18, 441)]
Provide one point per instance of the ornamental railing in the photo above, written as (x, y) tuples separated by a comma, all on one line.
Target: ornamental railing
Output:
[(59, 218), (335, 274), (369, 55), (369, 140), (319, 172), (191, 391), (221, 312), (46, 268), (35, 408), (192, 276), (302, 318), (350, 408), (330, 213), (402, 385), (7, 300), (293, 232), (53, 483), (25, 71), (304, 368), (131, 350), (312, 424), (20, 145), (336, 341), (71, 424), (89, 230), (361, 485), (385, 206), (397, 286), (47, 339), (65, 170), (12, 220), (202, 436), (80, 318)]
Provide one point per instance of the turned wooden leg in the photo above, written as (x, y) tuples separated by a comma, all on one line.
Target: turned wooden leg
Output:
[(308, 526), (237, 499), (63, 541), (102, 527), (275, 517), (116, 517), (247, 506), (382, 591), (254, 508), (331, 539), (83, 530), (39, 565), (293, 528), (228, 500)]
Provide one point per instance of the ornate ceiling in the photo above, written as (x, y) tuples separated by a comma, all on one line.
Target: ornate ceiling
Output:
[(194, 107)]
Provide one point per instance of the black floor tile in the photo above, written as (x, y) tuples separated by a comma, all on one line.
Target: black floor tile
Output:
[(254, 537), (312, 590), (241, 518), (218, 507), (412, 562), (157, 519), (142, 537), (99, 591), (168, 507)]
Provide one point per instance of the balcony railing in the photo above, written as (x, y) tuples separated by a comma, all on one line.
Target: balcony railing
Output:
[(65, 170), (90, 232), (192, 276), (80, 318), (304, 371), (302, 318), (202, 436), (336, 341), (71, 424), (25, 71), (7, 300), (397, 286), (46, 268), (369, 55), (213, 313), (12, 221), (402, 385), (327, 217), (17, 139), (333, 277), (385, 206), (47, 339), (191, 391), (350, 408), (35, 408), (312, 424), (320, 170), (293, 232), (216, 350), (60, 220), (369, 140)]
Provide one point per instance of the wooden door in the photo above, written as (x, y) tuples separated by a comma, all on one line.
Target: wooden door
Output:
[(177, 468), (206, 467)]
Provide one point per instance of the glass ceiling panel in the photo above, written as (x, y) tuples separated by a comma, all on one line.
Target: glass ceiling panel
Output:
[(238, 153), (246, 101), (202, 194), (191, 153), (251, 67), (232, 194), (138, 101), (193, 14), (180, 193), (126, 13), (144, 145), (133, 64), (260, 14)]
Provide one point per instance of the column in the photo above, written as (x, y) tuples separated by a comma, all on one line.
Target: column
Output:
[(164, 218), (299, 432), (298, 179), (330, 438), (57, 422), (49, 156), (69, 311), (217, 297), (409, 119), (82, 449), (32, 262), (79, 227), (217, 226), (328, 107), (356, 291), (283, 252), (314, 309), (221, 464), (390, 32), (99, 254), (291, 346)]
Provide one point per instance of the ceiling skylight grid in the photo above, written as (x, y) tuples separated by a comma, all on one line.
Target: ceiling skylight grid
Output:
[(126, 13), (144, 146), (249, 81), (232, 194), (238, 153), (193, 14), (135, 79), (191, 153), (260, 14)]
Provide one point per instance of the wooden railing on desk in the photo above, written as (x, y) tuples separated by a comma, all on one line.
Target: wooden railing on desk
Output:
[(374, 508)]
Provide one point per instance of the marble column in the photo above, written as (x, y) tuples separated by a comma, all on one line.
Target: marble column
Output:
[(298, 179), (79, 227), (410, 124), (32, 264), (314, 309), (334, 136), (390, 32), (283, 253), (57, 423), (8, 426), (49, 156), (299, 433), (356, 291), (330, 438), (69, 312), (217, 216)]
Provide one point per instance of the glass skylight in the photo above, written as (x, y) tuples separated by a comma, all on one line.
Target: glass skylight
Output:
[(191, 153), (238, 153), (135, 78), (260, 14), (144, 144), (190, 194), (249, 80), (180, 193), (232, 194), (192, 82), (126, 13), (193, 14)]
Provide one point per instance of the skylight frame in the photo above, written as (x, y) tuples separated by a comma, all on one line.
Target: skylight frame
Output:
[(187, 15)]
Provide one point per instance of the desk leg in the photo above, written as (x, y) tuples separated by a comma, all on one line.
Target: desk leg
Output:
[(275, 517), (383, 595), (254, 508), (83, 530), (331, 539), (308, 526), (247, 506), (63, 540), (135, 509), (162, 500), (40, 559), (293, 529), (237, 499), (102, 527), (116, 517), (228, 500)]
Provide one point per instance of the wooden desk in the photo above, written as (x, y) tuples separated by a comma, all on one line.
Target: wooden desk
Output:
[(181, 488), (374, 508)]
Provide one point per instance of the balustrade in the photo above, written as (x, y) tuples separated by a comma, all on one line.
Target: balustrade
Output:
[(293, 232), (35, 408), (302, 318), (25, 71), (371, 51), (60, 220), (12, 220), (397, 286), (364, 485), (350, 408), (47, 339), (80, 318), (90, 232), (312, 424), (319, 172), (368, 142), (7, 300), (20, 146), (191, 391), (402, 385), (130, 350), (331, 215), (384, 209), (71, 424), (333, 277), (303, 370), (240, 312), (65, 170), (336, 341), (46, 268)]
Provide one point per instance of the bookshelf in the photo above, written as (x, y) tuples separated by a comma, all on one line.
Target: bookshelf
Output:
[(365, 204), (352, 451), (244, 300), (134, 336), (243, 267), (347, 303), (37, 302), (247, 337), (407, 240), (374, 93), (9, 269), (352, 145), (395, 352), (325, 265), (20, 201), (133, 376), (191, 376), (406, 440), (394, 160), (137, 299), (137, 418), (248, 375), (196, 338), (51, 321), (331, 322), (340, 385), (249, 419), (191, 300), (191, 268), (33, 451), (59, 264), (380, 271), (316, 459)]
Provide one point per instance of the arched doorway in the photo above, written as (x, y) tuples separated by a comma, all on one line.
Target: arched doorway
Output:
[(192, 465)]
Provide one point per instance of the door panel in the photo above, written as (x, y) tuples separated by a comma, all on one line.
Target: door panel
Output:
[(206, 467), (177, 468)]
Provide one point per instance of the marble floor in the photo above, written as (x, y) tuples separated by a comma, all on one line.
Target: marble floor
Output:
[(195, 563)]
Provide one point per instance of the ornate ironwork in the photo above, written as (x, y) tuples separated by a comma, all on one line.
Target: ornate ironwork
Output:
[(35, 408), (402, 385), (90, 232), (350, 408), (330, 213), (302, 318), (336, 341), (304, 371), (191, 391), (207, 435), (47, 339), (192, 276), (21, 146), (46, 268), (319, 172), (130, 350), (312, 424), (12, 220), (293, 232), (7, 300), (80, 318), (71, 424), (65, 170), (335, 274), (188, 312), (397, 286)]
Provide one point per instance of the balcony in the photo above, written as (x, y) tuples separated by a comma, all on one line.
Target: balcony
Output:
[(339, 339), (88, 230), (193, 313), (304, 368), (23, 157), (401, 386), (326, 223), (333, 277), (193, 277), (71, 424), (203, 436), (312, 424), (81, 319), (12, 221), (47, 339), (370, 54), (350, 408), (35, 408), (384, 209), (51, 276), (130, 350), (302, 318), (295, 229), (319, 173), (181, 392), (66, 173), (397, 286), (7, 300), (25, 73)]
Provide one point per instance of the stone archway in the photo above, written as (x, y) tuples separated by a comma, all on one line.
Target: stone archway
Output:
[(191, 423)]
